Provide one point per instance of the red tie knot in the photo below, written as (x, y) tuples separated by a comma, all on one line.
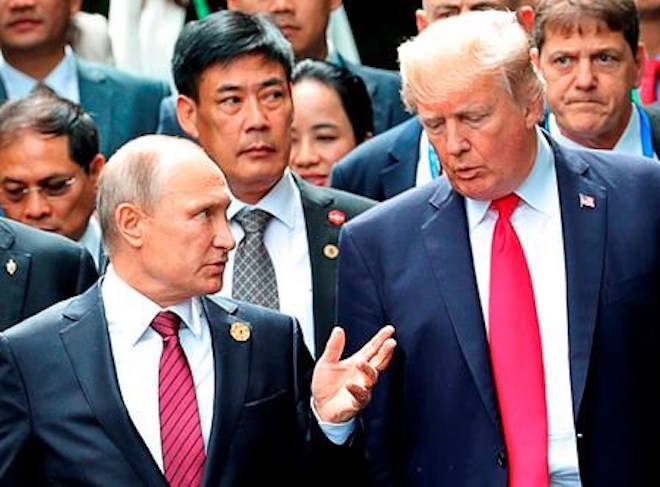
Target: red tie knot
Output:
[(505, 206), (167, 324)]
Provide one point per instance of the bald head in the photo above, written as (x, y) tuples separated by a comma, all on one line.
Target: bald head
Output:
[(138, 171)]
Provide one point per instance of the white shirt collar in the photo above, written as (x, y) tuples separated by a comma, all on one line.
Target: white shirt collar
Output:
[(279, 201), (63, 79), (131, 312), (629, 143), (91, 239), (536, 190)]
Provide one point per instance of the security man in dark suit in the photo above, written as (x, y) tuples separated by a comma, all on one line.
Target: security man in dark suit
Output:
[(233, 73), (38, 269)]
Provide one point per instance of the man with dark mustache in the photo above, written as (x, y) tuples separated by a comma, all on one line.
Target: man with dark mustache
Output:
[(233, 71), (590, 55)]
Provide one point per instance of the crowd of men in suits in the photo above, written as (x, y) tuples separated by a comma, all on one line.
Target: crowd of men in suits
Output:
[(516, 261)]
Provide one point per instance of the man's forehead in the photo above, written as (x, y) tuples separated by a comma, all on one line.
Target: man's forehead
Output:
[(469, 4), (583, 27), (245, 71)]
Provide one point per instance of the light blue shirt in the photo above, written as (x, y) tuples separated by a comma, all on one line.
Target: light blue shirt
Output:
[(63, 79)]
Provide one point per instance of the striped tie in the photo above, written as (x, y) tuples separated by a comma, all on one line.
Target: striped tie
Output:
[(180, 430)]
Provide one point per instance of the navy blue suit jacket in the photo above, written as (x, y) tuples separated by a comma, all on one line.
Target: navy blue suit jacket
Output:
[(434, 418), (38, 269), (383, 166), (123, 106), (63, 422)]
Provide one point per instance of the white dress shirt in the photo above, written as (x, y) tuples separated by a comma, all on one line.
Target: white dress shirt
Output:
[(630, 142), (285, 239), (92, 240), (136, 350), (537, 221), (63, 79)]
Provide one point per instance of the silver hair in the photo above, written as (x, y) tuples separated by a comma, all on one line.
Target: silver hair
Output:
[(452, 53)]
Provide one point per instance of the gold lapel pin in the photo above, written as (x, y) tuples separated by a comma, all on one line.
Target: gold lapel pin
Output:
[(240, 331), (11, 267), (331, 251)]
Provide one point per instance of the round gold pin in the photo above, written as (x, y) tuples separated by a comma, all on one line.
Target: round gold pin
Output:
[(240, 331), (331, 251)]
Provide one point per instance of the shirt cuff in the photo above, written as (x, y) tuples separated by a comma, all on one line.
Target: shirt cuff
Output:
[(337, 433)]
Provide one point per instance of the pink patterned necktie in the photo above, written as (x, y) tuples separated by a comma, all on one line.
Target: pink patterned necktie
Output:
[(180, 429), (516, 354)]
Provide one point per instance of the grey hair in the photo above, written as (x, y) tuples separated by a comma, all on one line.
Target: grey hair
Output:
[(132, 175), (452, 53)]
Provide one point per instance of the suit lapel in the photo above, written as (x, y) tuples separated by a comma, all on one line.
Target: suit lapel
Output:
[(96, 97), (88, 346), (404, 152), (584, 247), (232, 368), (445, 236), (14, 284), (320, 232)]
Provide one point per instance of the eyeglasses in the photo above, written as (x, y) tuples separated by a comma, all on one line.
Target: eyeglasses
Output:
[(51, 188)]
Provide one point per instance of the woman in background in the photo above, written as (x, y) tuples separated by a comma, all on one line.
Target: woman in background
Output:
[(332, 115)]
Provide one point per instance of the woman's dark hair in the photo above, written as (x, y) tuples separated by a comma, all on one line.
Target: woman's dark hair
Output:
[(351, 90)]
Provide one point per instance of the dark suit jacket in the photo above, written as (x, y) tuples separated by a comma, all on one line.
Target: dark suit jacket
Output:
[(63, 422), (434, 417), (123, 106), (48, 269), (318, 202), (383, 166), (383, 87)]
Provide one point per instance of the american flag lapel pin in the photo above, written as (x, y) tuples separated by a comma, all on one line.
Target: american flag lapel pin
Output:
[(587, 201)]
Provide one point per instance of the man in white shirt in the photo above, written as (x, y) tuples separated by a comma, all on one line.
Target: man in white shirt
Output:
[(143, 381), (50, 163), (591, 58), (233, 74), (33, 40), (523, 285)]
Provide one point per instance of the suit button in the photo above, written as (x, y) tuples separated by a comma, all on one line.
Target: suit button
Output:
[(501, 459)]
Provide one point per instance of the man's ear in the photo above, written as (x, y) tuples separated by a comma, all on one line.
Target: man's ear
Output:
[(421, 19), (525, 15), (640, 60), (75, 6), (334, 4), (130, 220), (95, 168), (535, 57), (186, 114)]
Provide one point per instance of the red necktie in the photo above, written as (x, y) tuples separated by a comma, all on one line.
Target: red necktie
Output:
[(180, 430), (516, 355), (647, 87)]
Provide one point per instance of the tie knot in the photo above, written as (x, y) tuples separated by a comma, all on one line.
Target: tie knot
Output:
[(505, 206), (166, 324), (253, 221)]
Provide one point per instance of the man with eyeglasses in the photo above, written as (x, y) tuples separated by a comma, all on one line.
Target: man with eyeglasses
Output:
[(49, 166)]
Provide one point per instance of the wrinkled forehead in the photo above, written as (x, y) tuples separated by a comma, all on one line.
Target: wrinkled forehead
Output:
[(566, 27)]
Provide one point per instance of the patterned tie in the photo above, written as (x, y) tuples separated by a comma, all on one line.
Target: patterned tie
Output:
[(516, 354), (648, 85), (254, 275), (180, 429)]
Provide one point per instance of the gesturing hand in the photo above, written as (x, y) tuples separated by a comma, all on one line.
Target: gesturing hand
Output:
[(342, 388)]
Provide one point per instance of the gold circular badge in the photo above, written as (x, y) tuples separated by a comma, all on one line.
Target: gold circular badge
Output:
[(331, 251), (240, 331)]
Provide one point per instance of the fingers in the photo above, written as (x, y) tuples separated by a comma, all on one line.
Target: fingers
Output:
[(360, 394), (384, 355), (369, 374), (373, 346), (334, 347)]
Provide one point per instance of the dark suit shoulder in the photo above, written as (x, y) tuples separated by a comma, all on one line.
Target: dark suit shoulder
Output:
[(129, 81), (333, 198), (42, 244), (382, 76)]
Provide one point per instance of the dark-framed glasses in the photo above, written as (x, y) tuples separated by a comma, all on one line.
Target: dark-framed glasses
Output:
[(50, 188)]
